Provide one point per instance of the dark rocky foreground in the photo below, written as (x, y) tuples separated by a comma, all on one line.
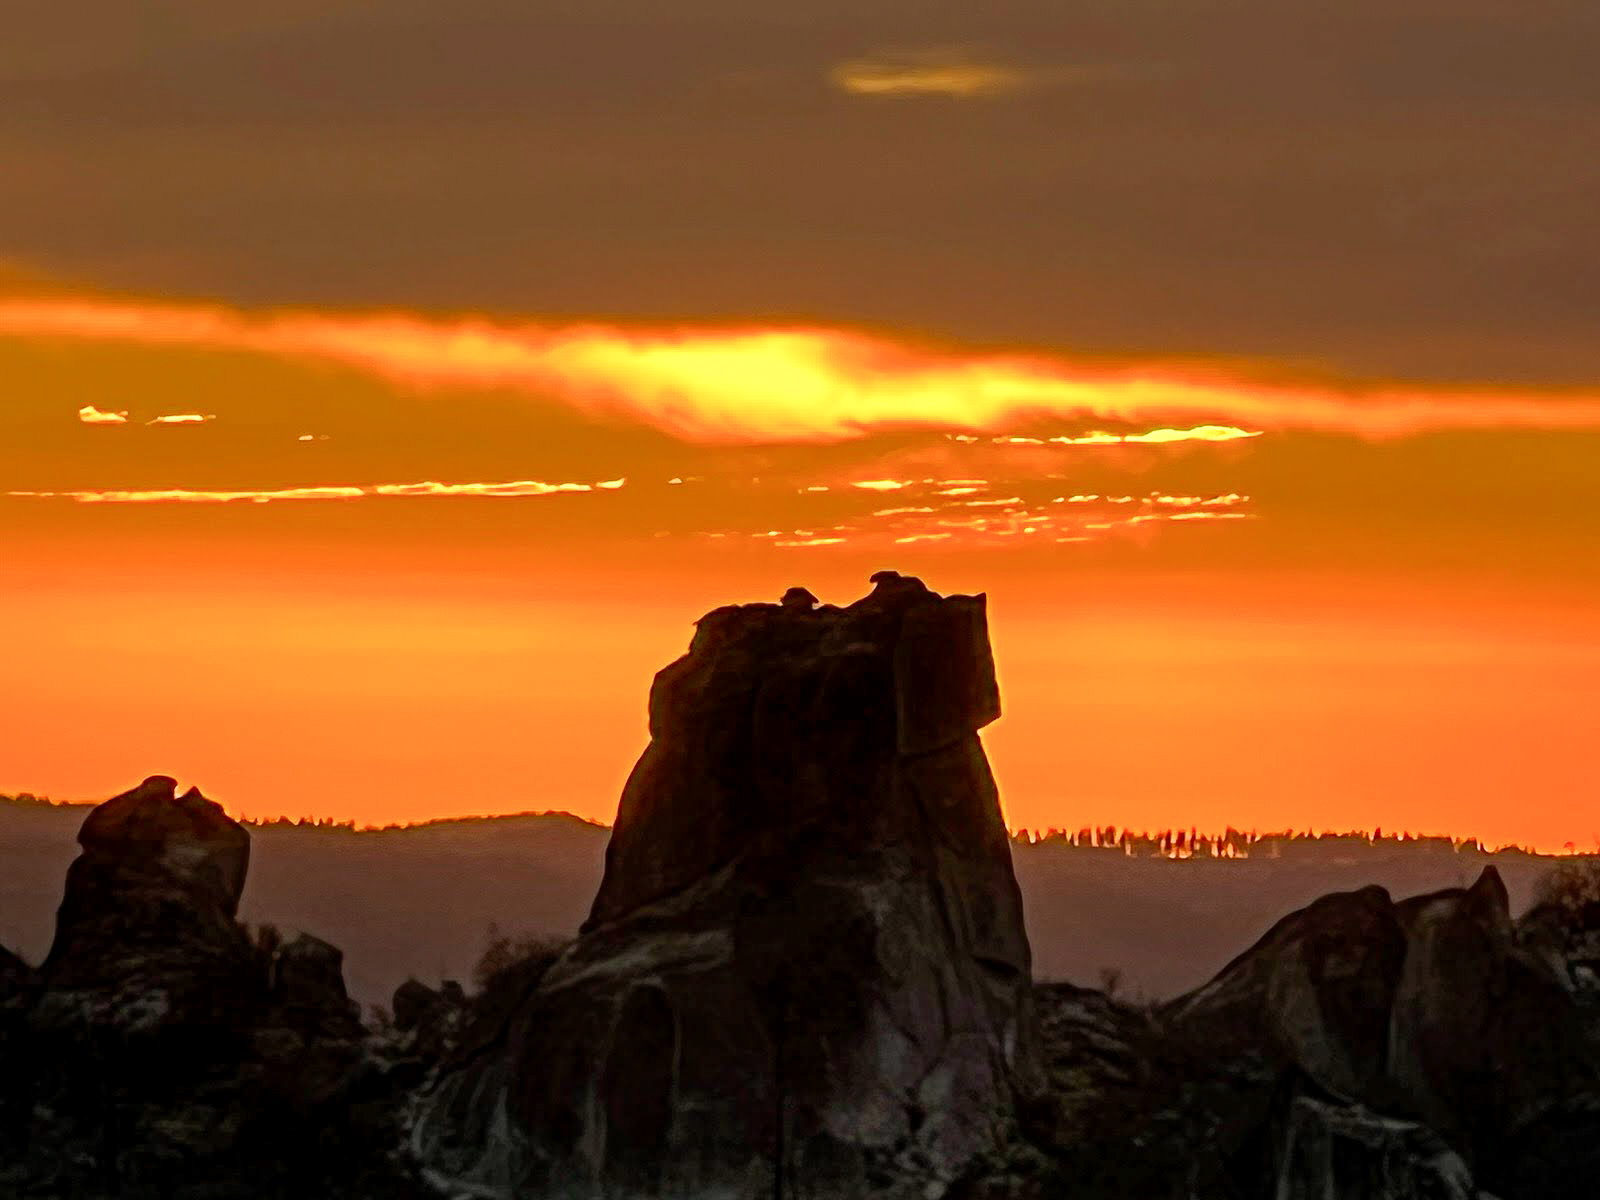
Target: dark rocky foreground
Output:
[(805, 974)]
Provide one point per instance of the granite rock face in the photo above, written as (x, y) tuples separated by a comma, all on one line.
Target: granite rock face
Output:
[(807, 955), (1484, 1036), (1316, 991), (1427, 1009), (1334, 1152), (1363, 1049)]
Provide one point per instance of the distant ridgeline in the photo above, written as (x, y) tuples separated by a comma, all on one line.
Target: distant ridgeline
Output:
[(29, 800), (1166, 843)]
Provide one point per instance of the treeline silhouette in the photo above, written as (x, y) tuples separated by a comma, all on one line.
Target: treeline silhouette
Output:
[(1240, 843), (1166, 843)]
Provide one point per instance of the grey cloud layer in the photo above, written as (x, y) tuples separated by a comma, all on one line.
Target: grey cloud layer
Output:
[(1393, 192)]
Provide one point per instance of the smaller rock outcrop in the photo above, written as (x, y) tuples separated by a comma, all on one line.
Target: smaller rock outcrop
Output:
[(307, 986), (1428, 1010), (189, 836), (161, 1052), (1483, 1035), (798, 599), (1316, 991), (412, 1003), (146, 936)]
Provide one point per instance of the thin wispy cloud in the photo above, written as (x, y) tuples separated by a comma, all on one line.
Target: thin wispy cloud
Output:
[(802, 384), (188, 496), (90, 415), (1008, 520), (523, 487), (429, 488), (1100, 437)]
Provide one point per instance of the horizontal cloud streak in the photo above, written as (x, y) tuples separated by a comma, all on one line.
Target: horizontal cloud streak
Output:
[(90, 415), (801, 384), (1100, 437), (926, 75), (962, 74), (1201, 433)]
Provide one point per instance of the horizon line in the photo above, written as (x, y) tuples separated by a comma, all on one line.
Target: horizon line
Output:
[(1122, 838)]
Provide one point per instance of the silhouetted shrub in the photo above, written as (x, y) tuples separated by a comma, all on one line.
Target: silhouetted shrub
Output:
[(1572, 891), (523, 954)]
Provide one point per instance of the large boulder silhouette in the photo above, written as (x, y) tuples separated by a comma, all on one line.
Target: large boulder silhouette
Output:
[(160, 1051), (146, 936), (805, 970), (1317, 990), (1425, 1009), (1484, 1036)]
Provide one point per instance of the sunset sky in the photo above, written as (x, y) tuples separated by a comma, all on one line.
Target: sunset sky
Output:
[(386, 386)]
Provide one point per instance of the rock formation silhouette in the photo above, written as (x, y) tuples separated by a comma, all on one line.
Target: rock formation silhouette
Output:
[(145, 936), (804, 974), (1362, 1049), (1428, 1009), (160, 1051), (805, 971)]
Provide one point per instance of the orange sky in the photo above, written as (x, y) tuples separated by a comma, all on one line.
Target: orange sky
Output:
[(385, 388), (374, 690), (344, 594)]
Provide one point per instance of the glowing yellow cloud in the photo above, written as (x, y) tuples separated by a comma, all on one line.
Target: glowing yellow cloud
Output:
[(802, 384), (927, 74), (90, 415)]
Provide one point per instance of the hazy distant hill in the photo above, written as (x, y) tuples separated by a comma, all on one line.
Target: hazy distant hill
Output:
[(399, 902), (418, 901)]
